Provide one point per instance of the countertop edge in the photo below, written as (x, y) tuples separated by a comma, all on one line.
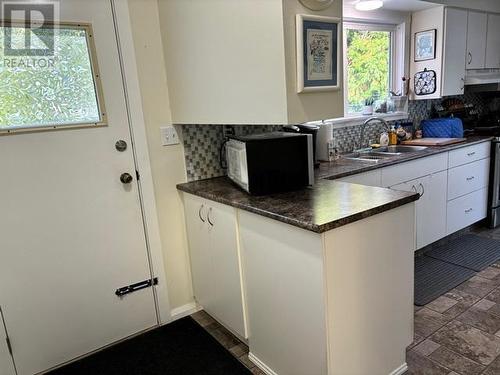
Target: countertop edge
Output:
[(432, 150), (316, 228)]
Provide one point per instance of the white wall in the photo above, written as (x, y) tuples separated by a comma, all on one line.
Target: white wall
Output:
[(167, 163), (428, 19), (313, 105)]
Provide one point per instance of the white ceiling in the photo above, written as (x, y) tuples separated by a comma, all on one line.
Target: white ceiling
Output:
[(401, 5)]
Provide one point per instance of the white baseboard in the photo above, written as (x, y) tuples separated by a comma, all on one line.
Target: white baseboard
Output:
[(261, 365), (184, 310), (400, 370), (267, 370)]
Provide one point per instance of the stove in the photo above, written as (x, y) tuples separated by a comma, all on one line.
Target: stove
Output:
[(487, 125)]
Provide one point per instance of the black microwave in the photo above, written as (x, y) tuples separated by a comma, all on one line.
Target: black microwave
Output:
[(271, 162)]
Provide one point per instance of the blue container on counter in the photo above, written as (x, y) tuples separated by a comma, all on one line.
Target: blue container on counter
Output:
[(442, 128)]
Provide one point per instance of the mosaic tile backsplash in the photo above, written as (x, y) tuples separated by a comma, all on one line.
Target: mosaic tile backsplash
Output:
[(202, 143)]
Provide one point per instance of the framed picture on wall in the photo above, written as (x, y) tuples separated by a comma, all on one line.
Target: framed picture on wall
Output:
[(317, 53), (425, 45)]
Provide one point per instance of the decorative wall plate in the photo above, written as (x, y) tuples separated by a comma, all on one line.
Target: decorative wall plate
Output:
[(316, 4)]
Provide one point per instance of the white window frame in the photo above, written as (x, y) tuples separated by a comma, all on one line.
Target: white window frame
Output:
[(89, 34), (397, 66)]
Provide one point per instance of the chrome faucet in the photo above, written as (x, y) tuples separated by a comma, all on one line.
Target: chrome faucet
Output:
[(363, 126)]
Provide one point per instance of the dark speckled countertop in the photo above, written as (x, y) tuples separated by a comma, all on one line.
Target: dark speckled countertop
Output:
[(325, 206), (344, 167)]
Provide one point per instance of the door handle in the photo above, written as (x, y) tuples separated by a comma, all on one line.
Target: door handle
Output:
[(199, 213), (423, 190), (126, 178), (463, 83), (208, 217), (470, 58)]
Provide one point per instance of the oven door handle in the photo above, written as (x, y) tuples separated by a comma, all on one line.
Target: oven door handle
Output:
[(495, 177)]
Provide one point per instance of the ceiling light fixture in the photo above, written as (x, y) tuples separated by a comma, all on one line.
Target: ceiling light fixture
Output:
[(366, 5)]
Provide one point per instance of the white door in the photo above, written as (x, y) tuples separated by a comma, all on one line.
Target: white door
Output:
[(227, 271), (455, 45), (476, 40), (6, 364), (71, 232), (431, 211), (493, 42), (430, 208), (196, 210)]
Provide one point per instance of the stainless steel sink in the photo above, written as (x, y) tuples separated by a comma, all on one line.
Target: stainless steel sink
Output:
[(368, 156), (399, 149), (375, 155)]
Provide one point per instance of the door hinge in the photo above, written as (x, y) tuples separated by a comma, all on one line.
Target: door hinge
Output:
[(135, 287), (137, 175), (9, 345)]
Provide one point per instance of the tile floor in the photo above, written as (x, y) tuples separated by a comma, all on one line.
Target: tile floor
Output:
[(227, 339), (456, 334)]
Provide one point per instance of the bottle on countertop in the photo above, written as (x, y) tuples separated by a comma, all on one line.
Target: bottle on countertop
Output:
[(393, 137), (384, 139)]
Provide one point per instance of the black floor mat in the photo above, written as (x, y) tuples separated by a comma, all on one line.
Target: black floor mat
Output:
[(181, 347), (468, 251), (434, 278)]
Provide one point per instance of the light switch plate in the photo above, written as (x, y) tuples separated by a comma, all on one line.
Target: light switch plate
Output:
[(169, 135)]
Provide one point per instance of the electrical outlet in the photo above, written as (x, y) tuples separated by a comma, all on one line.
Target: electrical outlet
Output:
[(169, 135)]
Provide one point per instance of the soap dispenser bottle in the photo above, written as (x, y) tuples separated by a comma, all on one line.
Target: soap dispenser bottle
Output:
[(393, 137)]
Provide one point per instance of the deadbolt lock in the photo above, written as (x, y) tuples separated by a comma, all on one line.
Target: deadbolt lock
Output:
[(121, 145)]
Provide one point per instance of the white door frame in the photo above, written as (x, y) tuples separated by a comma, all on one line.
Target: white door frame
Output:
[(126, 51)]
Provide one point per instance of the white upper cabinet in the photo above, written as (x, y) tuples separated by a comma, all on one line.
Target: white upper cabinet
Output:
[(477, 24), (234, 62), (465, 40), (493, 42), (455, 34)]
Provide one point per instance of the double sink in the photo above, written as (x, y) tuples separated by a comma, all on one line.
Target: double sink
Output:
[(382, 153)]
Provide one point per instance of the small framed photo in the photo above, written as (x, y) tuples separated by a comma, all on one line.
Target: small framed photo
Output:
[(318, 41), (425, 45)]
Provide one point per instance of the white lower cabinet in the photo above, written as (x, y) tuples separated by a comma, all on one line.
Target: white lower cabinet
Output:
[(371, 178), (430, 208), (6, 364), (466, 210), (215, 261), (468, 178)]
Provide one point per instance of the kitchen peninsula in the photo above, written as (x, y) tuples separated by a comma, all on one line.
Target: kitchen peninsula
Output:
[(320, 281)]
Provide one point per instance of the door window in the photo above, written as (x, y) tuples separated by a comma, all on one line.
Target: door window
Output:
[(60, 88)]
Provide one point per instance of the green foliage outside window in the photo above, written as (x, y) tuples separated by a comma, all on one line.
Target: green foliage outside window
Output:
[(368, 66), (48, 90)]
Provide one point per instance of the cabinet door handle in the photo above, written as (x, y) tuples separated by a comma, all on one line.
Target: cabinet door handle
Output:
[(471, 153), (423, 190), (468, 211), (470, 58), (208, 216), (470, 178), (414, 189), (199, 213), (463, 83)]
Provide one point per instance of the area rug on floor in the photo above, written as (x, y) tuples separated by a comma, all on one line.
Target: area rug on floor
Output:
[(181, 347), (434, 278), (468, 251)]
